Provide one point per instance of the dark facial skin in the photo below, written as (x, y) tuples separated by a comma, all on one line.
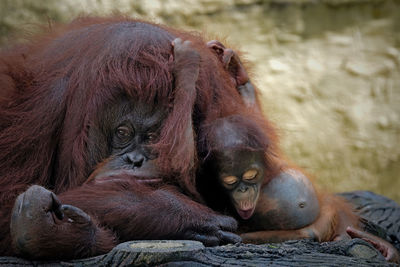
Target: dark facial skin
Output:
[(288, 201), (130, 129), (241, 174)]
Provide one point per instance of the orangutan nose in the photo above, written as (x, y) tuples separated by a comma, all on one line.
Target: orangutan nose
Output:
[(134, 158), (243, 188)]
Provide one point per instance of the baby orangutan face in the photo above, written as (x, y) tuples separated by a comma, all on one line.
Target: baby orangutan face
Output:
[(241, 173)]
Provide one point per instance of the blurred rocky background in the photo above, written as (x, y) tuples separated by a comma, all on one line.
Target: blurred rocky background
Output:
[(328, 70)]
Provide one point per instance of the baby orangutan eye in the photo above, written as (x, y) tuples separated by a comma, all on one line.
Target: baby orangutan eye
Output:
[(123, 132), (230, 180), (250, 174)]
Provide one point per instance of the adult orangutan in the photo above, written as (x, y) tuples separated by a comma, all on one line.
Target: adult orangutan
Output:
[(241, 175), (110, 99)]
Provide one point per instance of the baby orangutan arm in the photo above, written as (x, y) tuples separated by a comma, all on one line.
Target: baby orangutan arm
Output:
[(321, 230), (289, 208)]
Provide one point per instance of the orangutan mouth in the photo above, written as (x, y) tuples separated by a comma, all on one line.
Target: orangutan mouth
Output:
[(245, 214)]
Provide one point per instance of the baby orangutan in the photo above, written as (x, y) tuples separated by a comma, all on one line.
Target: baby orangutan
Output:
[(273, 204), (238, 167)]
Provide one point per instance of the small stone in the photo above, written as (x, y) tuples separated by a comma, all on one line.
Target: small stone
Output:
[(367, 69), (383, 122), (341, 40), (278, 66), (391, 51), (288, 38), (358, 144), (394, 54), (246, 255), (313, 65)]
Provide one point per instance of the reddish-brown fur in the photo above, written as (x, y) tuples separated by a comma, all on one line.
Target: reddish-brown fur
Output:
[(52, 89), (257, 134), (335, 213)]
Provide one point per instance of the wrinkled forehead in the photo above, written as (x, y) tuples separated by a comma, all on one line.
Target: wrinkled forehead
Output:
[(232, 160), (154, 112), (138, 112)]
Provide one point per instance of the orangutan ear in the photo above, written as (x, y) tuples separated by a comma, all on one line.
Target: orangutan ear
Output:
[(224, 54), (217, 47), (230, 61)]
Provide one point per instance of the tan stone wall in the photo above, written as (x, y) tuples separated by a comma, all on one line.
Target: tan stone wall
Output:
[(328, 71)]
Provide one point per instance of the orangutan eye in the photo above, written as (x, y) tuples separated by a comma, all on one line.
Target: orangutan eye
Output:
[(151, 137), (250, 174), (124, 133), (230, 180)]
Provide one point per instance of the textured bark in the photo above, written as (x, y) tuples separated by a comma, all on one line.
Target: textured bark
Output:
[(178, 253), (379, 210)]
